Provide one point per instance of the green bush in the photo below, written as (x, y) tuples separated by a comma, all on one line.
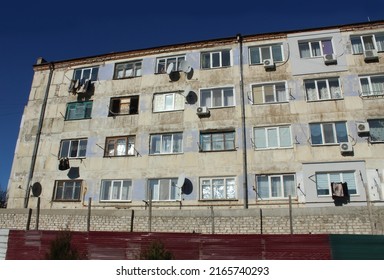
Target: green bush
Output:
[(61, 248), (156, 251)]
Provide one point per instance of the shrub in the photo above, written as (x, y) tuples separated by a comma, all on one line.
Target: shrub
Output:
[(156, 251), (61, 248)]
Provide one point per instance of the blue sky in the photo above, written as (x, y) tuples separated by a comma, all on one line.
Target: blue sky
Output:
[(72, 29)]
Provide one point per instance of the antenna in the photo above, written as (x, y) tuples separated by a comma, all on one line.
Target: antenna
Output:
[(36, 189), (170, 68)]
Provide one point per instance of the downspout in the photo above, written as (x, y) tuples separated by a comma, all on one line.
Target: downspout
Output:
[(37, 141), (244, 138)]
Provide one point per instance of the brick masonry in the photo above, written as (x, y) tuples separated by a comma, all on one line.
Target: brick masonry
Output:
[(321, 220)]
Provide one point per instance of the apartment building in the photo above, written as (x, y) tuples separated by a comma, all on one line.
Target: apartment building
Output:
[(287, 118)]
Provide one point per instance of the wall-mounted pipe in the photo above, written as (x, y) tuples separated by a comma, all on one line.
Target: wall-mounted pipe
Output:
[(38, 134), (244, 131)]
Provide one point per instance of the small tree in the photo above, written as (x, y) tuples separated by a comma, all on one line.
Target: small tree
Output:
[(156, 251), (3, 198), (61, 248)]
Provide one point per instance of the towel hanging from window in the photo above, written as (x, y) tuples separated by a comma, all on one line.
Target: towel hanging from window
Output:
[(64, 164)]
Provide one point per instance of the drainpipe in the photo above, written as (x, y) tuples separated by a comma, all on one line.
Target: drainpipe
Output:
[(37, 141), (244, 131)]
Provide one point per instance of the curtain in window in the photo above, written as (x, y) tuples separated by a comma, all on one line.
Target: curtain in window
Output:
[(154, 187), (159, 102), (316, 51), (121, 145), (155, 144), (206, 142), (277, 53), (64, 149), (206, 99), (206, 189), (349, 178), (164, 189), (216, 60), (218, 142), (380, 42), (341, 132), (377, 85), (269, 93), (169, 102), (82, 148), (304, 50), (257, 92), (179, 102), (205, 61), (376, 130), (334, 89), (229, 141), (228, 97), (177, 143), (316, 134), (323, 90), (125, 190), (226, 58), (166, 144), (218, 188), (231, 188), (74, 148), (275, 187), (368, 42), (365, 88), (105, 189), (322, 184), (216, 98), (327, 47), (262, 187), (281, 93), (357, 46), (328, 133), (311, 91), (116, 190), (265, 53), (255, 55), (289, 185)]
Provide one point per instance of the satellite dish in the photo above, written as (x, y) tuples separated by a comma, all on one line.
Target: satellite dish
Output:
[(191, 97), (170, 68), (36, 189), (186, 91), (180, 180), (185, 67)]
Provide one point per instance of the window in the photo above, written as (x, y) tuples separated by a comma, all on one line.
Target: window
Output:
[(372, 85), (124, 106), (163, 63), (275, 186), (218, 188), (67, 190), (78, 110), (166, 143), (323, 89), (169, 101), (216, 59), (258, 54), (376, 130), (217, 141), (75, 148), (367, 42), (164, 189), (273, 137), (217, 97), (328, 133), (120, 146), (324, 180), (84, 74), (115, 190), (127, 70), (270, 93), (315, 48)]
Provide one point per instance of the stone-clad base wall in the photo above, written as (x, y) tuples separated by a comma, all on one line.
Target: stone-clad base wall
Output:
[(340, 220)]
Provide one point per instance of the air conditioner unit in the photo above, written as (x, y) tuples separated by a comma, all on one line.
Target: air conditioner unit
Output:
[(330, 59), (363, 128), (370, 55), (346, 147), (202, 111), (268, 63)]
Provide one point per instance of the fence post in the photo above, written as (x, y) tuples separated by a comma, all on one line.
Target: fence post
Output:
[(212, 220), (29, 218), (290, 215), (89, 214), (132, 218), (38, 213)]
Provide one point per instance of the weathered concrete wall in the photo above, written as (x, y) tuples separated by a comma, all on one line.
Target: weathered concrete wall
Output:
[(321, 220)]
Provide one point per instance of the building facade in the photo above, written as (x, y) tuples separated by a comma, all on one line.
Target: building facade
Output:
[(290, 118)]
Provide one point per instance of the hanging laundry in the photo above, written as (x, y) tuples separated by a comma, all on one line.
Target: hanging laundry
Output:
[(64, 164)]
